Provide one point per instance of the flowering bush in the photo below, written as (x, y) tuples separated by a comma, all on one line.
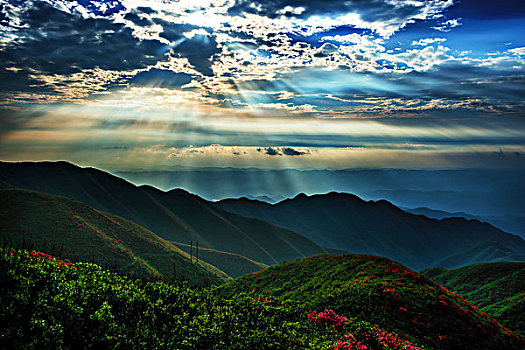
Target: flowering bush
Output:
[(41, 256), (328, 317), (350, 343), (392, 341)]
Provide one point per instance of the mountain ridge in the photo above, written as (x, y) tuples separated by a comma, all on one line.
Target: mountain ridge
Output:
[(72, 230), (349, 222), (176, 216)]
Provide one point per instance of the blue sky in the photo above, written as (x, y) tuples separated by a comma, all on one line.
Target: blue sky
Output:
[(136, 84)]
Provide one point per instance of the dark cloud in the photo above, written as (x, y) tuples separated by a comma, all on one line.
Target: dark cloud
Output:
[(272, 151), (55, 42), (161, 79), (136, 19), (286, 151), (12, 120), (146, 10), (116, 148), (4, 20), (199, 50), (369, 10)]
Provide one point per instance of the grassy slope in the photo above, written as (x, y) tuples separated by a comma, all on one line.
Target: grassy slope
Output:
[(52, 304), (72, 230), (234, 265), (497, 288), (380, 291), (175, 215), (346, 221)]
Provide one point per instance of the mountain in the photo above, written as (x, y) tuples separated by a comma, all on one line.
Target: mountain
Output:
[(480, 253), (440, 214), (72, 230), (176, 215), (220, 183), (381, 292), (508, 223), (348, 222), (497, 288), (482, 202)]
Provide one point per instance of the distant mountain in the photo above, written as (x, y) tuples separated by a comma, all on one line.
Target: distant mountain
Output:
[(221, 183), (382, 292), (483, 252), (497, 288), (508, 223), (175, 215), (348, 222), (440, 214), (482, 202), (72, 230)]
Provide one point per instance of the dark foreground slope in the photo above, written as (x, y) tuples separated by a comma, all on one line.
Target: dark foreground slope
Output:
[(382, 292), (72, 230), (348, 222), (497, 288), (175, 215)]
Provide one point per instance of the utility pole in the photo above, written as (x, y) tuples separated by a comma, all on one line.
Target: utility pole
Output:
[(197, 253), (191, 250)]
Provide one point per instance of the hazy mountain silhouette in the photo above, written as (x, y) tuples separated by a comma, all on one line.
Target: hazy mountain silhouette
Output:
[(348, 222)]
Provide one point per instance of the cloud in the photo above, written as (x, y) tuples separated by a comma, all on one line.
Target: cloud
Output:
[(382, 16), (448, 25), (286, 151), (518, 51), (273, 151), (54, 47), (427, 41), (160, 78)]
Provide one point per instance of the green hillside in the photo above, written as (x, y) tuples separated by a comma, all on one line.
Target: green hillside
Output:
[(72, 230), (345, 221), (381, 292), (52, 304), (234, 265), (175, 215), (497, 288)]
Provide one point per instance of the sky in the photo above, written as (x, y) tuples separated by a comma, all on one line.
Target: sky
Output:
[(129, 85)]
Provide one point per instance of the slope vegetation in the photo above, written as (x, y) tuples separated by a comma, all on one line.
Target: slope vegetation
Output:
[(497, 288), (345, 221), (49, 303), (382, 292), (72, 230), (234, 265), (175, 215)]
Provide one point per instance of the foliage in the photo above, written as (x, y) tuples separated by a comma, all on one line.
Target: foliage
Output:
[(497, 288), (55, 304), (381, 292), (72, 230)]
